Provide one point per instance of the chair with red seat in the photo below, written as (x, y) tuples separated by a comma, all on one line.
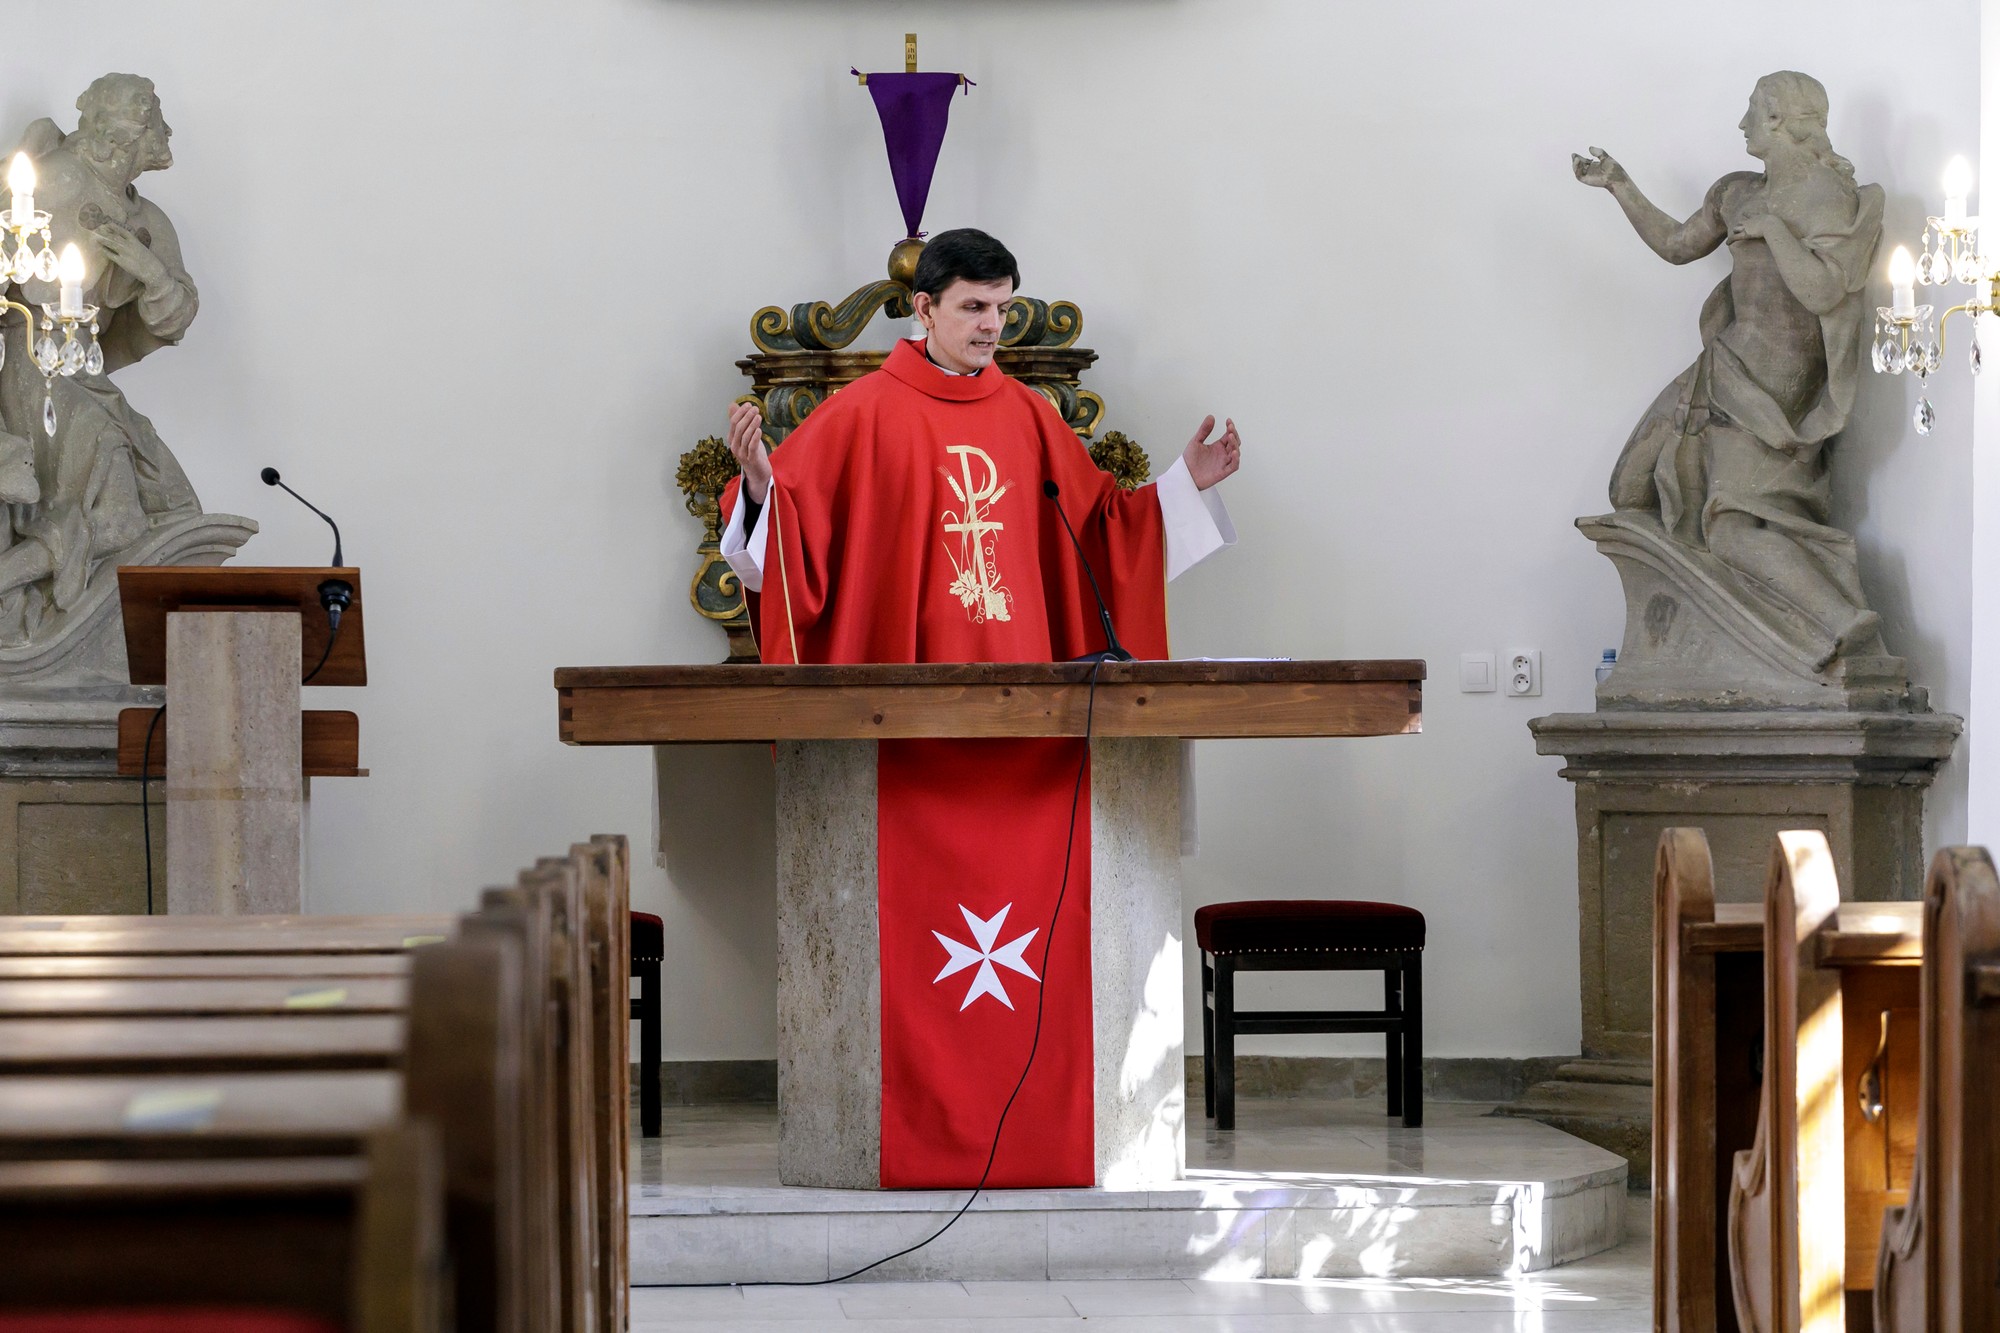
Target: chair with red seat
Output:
[(1311, 936), (649, 946)]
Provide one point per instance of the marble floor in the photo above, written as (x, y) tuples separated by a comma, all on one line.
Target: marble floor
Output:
[(1302, 1189), (1610, 1293)]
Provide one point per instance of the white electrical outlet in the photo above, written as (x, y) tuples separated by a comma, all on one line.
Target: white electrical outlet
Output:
[(1524, 673)]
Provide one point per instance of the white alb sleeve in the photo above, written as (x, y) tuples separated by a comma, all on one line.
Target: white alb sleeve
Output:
[(745, 554), (1197, 522)]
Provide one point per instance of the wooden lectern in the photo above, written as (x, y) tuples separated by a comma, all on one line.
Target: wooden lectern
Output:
[(232, 645), (826, 720)]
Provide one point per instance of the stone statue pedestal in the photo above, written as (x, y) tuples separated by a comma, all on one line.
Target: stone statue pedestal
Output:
[(1714, 721), (71, 832), (829, 987)]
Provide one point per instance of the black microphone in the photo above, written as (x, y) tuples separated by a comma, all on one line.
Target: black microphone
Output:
[(1114, 651), (270, 475), (336, 595)]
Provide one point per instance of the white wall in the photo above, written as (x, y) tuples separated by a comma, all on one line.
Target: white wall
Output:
[(1352, 227)]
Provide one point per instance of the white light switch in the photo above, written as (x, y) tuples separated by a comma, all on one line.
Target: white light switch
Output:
[(1476, 674)]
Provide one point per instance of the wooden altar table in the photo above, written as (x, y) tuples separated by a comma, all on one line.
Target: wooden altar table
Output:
[(826, 720)]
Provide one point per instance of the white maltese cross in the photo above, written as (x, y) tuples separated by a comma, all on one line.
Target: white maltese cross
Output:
[(986, 981)]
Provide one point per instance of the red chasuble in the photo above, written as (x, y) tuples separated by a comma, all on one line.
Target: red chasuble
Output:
[(908, 524)]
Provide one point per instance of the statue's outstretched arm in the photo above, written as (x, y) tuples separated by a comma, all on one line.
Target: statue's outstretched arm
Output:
[(1676, 241)]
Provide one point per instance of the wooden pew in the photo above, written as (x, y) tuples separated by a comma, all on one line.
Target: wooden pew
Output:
[(516, 1042), (1836, 1118), (1710, 1096), (354, 1240), (1938, 1270)]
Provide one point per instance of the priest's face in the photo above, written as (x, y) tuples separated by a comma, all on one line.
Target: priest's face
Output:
[(964, 321)]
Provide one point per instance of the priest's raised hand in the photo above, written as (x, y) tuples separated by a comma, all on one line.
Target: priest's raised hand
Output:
[(1209, 461), (746, 442)]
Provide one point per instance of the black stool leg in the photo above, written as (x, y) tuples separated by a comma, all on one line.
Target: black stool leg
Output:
[(1225, 1042), (1207, 1037), (1392, 1008), (1413, 1042), (649, 1050)]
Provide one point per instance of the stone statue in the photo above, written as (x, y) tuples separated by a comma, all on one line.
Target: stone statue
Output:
[(105, 490), (1735, 577)]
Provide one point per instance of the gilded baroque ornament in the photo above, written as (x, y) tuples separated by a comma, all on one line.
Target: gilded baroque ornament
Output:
[(803, 355)]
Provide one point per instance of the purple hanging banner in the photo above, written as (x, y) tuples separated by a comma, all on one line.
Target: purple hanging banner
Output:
[(914, 108)]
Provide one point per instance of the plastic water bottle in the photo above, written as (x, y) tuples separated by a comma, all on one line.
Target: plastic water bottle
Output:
[(1604, 667)]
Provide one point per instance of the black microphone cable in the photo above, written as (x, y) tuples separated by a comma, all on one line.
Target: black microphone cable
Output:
[(145, 805), (1034, 1044)]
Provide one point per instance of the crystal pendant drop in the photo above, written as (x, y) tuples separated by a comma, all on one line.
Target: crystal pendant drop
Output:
[(72, 357), (1892, 357), (93, 360), (49, 416), (1973, 359), (45, 264), (1926, 418), (1875, 356), (1933, 358), (46, 353)]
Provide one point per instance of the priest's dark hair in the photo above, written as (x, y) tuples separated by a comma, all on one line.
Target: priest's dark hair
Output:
[(963, 253)]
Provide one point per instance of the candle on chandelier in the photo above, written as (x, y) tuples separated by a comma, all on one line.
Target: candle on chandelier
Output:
[(69, 271), (1957, 185), (1902, 284), (21, 184)]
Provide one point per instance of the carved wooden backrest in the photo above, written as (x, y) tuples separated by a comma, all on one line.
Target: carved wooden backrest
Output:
[(1785, 1276), (605, 873), (1684, 1203), (1941, 1250)]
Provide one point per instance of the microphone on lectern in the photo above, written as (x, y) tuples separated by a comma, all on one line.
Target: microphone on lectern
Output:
[(1114, 651), (336, 595), (270, 476)]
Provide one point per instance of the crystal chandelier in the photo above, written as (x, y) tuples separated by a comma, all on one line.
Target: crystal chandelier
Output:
[(1911, 337), (75, 352)]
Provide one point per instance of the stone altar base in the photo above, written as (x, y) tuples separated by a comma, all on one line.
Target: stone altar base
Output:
[(829, 987), (1305, 1188)]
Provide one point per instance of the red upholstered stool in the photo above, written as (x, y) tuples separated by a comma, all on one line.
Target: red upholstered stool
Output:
[(1307, 936), (649, 946)]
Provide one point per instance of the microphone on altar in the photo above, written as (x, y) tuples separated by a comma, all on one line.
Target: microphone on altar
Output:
[(1114, 651)]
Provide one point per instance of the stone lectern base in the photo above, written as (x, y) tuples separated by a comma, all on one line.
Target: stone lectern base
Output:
[(829, 990)]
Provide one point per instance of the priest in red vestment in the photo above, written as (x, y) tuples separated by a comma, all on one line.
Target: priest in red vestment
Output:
[(905, 520)]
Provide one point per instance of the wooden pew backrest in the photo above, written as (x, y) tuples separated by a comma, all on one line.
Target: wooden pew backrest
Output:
[(1784, 1277), (1684, 1183), (1940, 1252)]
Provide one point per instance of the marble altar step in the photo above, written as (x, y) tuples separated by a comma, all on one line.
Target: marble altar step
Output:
[(1301, 1188), (1605, 1102)]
